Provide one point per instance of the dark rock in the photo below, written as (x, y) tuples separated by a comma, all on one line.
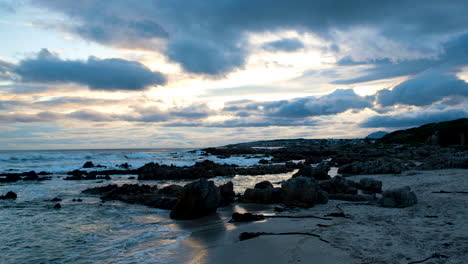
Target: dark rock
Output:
[(263, 161), (321, 197), (263, 185), (279, 209), (227, 193), (398, 198), (166, 203), (56, 199), (88, 164), (377, 166), (31, 176), (76, 200), (320, 172), (198, 199), (10, 178), (351, 197), (172, 190), (339, 185), (57, 206), (9, 195), (260, 196), (131, 177), (43, 173), (299, 191), (124, 165), (247, 217), (370, 185)]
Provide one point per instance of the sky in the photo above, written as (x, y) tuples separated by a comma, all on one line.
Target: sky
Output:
[(199, 73)]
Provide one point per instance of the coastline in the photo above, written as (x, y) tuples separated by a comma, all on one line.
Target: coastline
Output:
[(436, 224)]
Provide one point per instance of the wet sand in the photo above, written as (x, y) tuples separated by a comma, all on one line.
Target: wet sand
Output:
[(371, 234)]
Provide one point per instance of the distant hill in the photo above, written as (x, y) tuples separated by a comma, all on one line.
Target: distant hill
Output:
[(377, 135), (453, 132)]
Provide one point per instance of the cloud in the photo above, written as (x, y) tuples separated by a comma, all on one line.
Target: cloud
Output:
[(5, 71), (45, 116), (215, 31), (286, 45), (454, 53), (424, 89), (414, 118), (97, 74), (334, 103)]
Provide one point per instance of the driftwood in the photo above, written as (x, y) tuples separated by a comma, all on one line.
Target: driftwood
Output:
[(435, 255), (250, 235), (248, 217), (442, 191)]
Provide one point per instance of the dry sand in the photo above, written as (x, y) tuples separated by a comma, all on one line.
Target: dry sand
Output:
[(437, 224)]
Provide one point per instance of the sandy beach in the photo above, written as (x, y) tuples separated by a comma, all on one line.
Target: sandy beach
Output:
[(371, 234)]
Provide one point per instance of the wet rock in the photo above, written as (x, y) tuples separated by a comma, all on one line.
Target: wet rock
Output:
[(227, 193), (263, 161), (339, 185), (370, 185), (398, 198), (260, 196), (88, 164), (172, 190), (31, 176), (247, 217), (320, 172), (322, 197), (9, 195), (10, 178), (198, 199), (57, 206), (299, 191), (263, 185), (56, 199), (124, 166), (377, 166), (352, 197)]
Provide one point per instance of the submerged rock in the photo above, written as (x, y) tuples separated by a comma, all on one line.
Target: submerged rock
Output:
[(398, 198), (198, 199)]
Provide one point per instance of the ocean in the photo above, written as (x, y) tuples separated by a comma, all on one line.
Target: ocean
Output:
[(90, 231)]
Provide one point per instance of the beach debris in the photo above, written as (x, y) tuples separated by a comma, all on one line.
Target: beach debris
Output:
[(442, 191), (249, 235), (198, 199), (435, 255), (248, 217), (9, 195), (398, 198)]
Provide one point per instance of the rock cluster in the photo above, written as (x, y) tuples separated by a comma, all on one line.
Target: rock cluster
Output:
[(9, 196)]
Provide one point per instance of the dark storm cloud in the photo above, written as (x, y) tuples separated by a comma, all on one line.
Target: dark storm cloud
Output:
[(454, 53), (97, 74), (414, 118), (424, 89), (287, 45), (216, 29)]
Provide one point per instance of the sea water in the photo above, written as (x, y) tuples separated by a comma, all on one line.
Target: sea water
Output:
[(90, 231)]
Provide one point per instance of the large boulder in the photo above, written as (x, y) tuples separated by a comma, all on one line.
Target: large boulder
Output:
[(299, 191), (172, 190), (262, 193), (339, 185), (320, 172), (197, 199), (227, 193), (369, 185), (398, 198)]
